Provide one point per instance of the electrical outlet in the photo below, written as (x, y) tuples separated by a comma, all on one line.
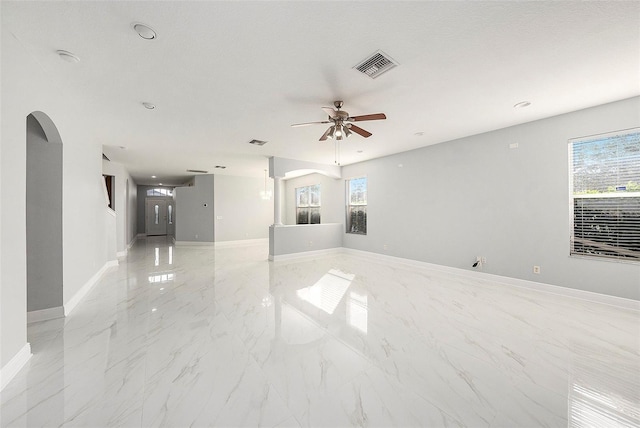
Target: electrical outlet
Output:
[(386, 247), (484, 260), (536, 270), (311, 243), (196, 236)]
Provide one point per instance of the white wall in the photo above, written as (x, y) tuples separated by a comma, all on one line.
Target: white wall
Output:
[(451, 202), (194, 210), (23, 82), (239, 210), (331, 197), (125, 209)]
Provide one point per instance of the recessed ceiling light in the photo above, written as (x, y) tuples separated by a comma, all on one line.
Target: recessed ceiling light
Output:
[(359, 151), (522, 104), (122, 147), (68, 56), (149, 106), (153, 176), (159, 184), (419, 134), (145, 31)]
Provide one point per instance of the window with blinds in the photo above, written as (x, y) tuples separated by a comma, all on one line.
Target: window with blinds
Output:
[(357, 205), (308, 205), (605, 195)]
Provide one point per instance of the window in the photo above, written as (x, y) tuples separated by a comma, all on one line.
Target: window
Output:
[(110, 181), (308, 205), (357, 205), (605, 195), (159, 192)]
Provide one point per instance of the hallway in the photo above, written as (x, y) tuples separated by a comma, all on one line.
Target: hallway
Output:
[(196, 336)]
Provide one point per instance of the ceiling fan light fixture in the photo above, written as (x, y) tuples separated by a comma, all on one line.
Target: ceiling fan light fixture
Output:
[(330, 134), (347, 132)]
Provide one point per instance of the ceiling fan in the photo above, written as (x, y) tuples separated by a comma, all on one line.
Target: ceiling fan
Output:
[(342, 125)]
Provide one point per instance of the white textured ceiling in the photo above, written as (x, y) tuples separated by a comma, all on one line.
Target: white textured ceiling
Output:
[(223, 73)]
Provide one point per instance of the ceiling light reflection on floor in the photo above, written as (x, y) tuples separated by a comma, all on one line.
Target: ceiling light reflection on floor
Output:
[(164, 277)]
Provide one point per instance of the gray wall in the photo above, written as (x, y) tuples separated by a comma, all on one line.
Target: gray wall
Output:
[(141, 192), (289, 239), (239, 210), (331, 198), (451, 202), (194, 220), (44, 219)]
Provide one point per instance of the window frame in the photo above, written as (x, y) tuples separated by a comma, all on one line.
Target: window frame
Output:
[(349, 205), (309, 206), (611, 195), (160, 192)]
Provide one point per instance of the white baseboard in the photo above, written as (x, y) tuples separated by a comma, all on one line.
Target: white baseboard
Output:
[(194, 244), (304, 255), (73, 302), (11, 369), (241, 243), (516, 282), (124, 252), (45, 314)]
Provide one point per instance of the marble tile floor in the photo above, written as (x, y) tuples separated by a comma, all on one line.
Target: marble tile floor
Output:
[(194, 337)]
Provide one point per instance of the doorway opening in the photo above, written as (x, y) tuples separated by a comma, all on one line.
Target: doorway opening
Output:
[(44, 219), (159, 216)]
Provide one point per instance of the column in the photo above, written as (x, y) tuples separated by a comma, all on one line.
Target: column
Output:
[(277, 217)]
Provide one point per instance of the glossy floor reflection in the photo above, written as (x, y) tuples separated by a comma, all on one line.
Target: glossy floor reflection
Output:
[(182, 337)]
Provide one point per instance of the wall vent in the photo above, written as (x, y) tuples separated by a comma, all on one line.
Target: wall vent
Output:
[(197, 170), (376, 64), (257, 142)]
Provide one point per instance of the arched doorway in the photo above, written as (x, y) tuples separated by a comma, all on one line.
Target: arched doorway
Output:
[(44, 219)]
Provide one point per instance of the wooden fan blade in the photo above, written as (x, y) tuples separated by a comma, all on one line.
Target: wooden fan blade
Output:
[(309, 123), (358, 130), (376, 116), (330, 111), (326, 133)]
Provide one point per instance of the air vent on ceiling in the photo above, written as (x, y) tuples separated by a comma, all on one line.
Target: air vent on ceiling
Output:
[(105, 157), (197, 170), (257, 142), (376, 64), (220, 166)]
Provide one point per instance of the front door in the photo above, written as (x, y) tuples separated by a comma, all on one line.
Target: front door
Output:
[(156, 217)]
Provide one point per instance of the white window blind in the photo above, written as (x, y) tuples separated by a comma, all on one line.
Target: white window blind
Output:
[(605, 195)]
